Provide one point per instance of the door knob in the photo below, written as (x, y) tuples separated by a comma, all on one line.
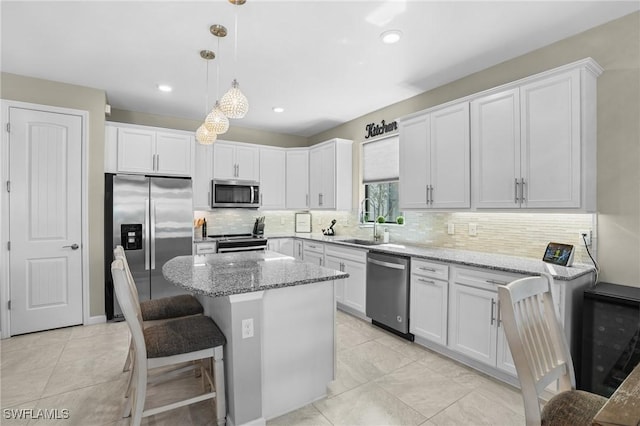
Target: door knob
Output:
[(72, 246)]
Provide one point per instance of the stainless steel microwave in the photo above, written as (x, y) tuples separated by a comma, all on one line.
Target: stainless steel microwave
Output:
[(235, 193)]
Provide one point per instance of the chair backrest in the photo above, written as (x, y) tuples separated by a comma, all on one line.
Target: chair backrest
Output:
[(536, 340), (130, 307), (118, 253)]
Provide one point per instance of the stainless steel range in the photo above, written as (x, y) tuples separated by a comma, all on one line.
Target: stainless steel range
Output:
[(238, 242)]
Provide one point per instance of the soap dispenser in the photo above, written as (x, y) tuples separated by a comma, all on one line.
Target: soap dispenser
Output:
[(385, 235)]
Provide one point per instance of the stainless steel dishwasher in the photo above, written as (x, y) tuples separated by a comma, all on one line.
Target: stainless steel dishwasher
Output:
[(388, 292)]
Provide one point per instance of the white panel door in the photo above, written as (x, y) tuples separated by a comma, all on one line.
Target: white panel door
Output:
[(136, 149), (272, 178), (495, 150), (472, 330), (551, 142), (173, 154), (414, 167), (450, 185), (297, 179), (429, 308), (248, 163), (45, 216)]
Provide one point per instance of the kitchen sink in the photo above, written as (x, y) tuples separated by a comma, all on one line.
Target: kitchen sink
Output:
[(361, 242)]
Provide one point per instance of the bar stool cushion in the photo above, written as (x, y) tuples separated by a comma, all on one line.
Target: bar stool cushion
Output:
[(572, 407), (170, 307), (183, 335)]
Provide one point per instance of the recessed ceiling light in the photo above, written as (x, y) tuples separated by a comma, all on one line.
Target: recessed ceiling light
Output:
[(391, 36), (164, 88), (278, 109)]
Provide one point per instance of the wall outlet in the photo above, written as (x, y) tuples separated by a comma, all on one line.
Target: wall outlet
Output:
[(247, 328), (451, 229), (473, 229), (587, 238)]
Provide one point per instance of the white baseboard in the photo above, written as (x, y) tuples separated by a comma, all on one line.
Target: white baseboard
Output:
[(98, 319), (255, 422)]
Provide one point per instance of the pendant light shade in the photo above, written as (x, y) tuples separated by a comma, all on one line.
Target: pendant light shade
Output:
[(216, 121), (234, 103), (204, 136)]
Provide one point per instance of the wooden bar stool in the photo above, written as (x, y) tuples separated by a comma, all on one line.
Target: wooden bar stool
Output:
[(170, 343)]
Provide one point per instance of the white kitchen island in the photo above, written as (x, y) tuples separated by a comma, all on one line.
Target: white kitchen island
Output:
[(286, 307)]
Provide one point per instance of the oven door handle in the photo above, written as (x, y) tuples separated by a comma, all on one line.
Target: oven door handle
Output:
[(386, 264), (249, 248)]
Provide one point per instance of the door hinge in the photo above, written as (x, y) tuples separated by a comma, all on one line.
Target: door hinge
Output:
[(8, 127), (9, 304), (8, 186), (9, 245)]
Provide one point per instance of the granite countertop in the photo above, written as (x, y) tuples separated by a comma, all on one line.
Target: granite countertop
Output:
[(498, 262), (225, 274)]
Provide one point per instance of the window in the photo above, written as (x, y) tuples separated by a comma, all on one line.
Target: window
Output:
[(380, 167), (381, 200)]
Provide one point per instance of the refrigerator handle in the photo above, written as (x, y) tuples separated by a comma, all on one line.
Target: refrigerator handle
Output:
[(146, 234), (153, 235)]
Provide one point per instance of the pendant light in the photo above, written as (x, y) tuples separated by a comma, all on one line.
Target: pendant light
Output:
[(234, 103), (217, 121), (204, 135)]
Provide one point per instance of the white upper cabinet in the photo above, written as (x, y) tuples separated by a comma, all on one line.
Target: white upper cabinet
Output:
[(297, 179), (434, 159), (534, 145), (235, 161), (147, 150), (272, 178), (202, 175), (330, 175)]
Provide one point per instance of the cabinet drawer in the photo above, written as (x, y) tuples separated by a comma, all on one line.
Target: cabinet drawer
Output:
[(313, 247), (205, 248), (429, 269), (346, 253), (482, 278)]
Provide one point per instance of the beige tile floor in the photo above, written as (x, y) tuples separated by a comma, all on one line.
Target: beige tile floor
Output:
[(381, 380)]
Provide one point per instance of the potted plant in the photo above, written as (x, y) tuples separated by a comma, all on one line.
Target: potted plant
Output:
[(400, 220), (381, 219)]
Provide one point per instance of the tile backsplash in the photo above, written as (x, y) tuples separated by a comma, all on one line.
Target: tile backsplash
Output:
[(518, 234)]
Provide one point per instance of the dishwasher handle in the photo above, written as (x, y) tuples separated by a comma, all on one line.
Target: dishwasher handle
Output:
[(386, 264)]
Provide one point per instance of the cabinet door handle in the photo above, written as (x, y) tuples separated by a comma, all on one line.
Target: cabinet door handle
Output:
[(261, 198), (522, 198), (431, 187), (422, 268), (496, 282), (427, 194), (499, 315), (493, 304), (516, 191), (426, 281)]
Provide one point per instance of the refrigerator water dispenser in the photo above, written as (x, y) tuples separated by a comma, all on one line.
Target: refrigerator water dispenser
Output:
[(131, 236)]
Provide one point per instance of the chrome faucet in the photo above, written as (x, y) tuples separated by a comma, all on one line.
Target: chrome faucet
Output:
[(376, 237)]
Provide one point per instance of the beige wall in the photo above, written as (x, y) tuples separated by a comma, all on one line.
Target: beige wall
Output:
[(616, 47), (33, 90), (235, 133)]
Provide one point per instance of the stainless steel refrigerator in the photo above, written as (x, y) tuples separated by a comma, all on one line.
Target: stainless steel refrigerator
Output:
[(151, 217)]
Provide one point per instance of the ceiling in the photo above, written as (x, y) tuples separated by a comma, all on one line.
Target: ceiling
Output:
[(322, 61)]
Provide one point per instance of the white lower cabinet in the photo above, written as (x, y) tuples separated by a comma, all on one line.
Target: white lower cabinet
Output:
[(286, 246), (429, 298), (352, 291), (313, 252), (474, 320), (273, 244), (297, 249)]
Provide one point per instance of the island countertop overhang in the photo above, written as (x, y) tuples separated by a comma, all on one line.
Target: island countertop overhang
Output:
[(226, 274)]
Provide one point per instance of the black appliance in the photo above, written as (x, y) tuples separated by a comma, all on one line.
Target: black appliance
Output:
[(611, 337), (238, 242), (258, 227)]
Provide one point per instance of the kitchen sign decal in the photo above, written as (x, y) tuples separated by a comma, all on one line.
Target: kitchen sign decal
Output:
[(374, 129)]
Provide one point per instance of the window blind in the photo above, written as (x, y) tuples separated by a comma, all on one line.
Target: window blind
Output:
[(381, 160)]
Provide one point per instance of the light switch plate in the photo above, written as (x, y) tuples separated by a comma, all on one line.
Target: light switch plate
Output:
[(473, 229)]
